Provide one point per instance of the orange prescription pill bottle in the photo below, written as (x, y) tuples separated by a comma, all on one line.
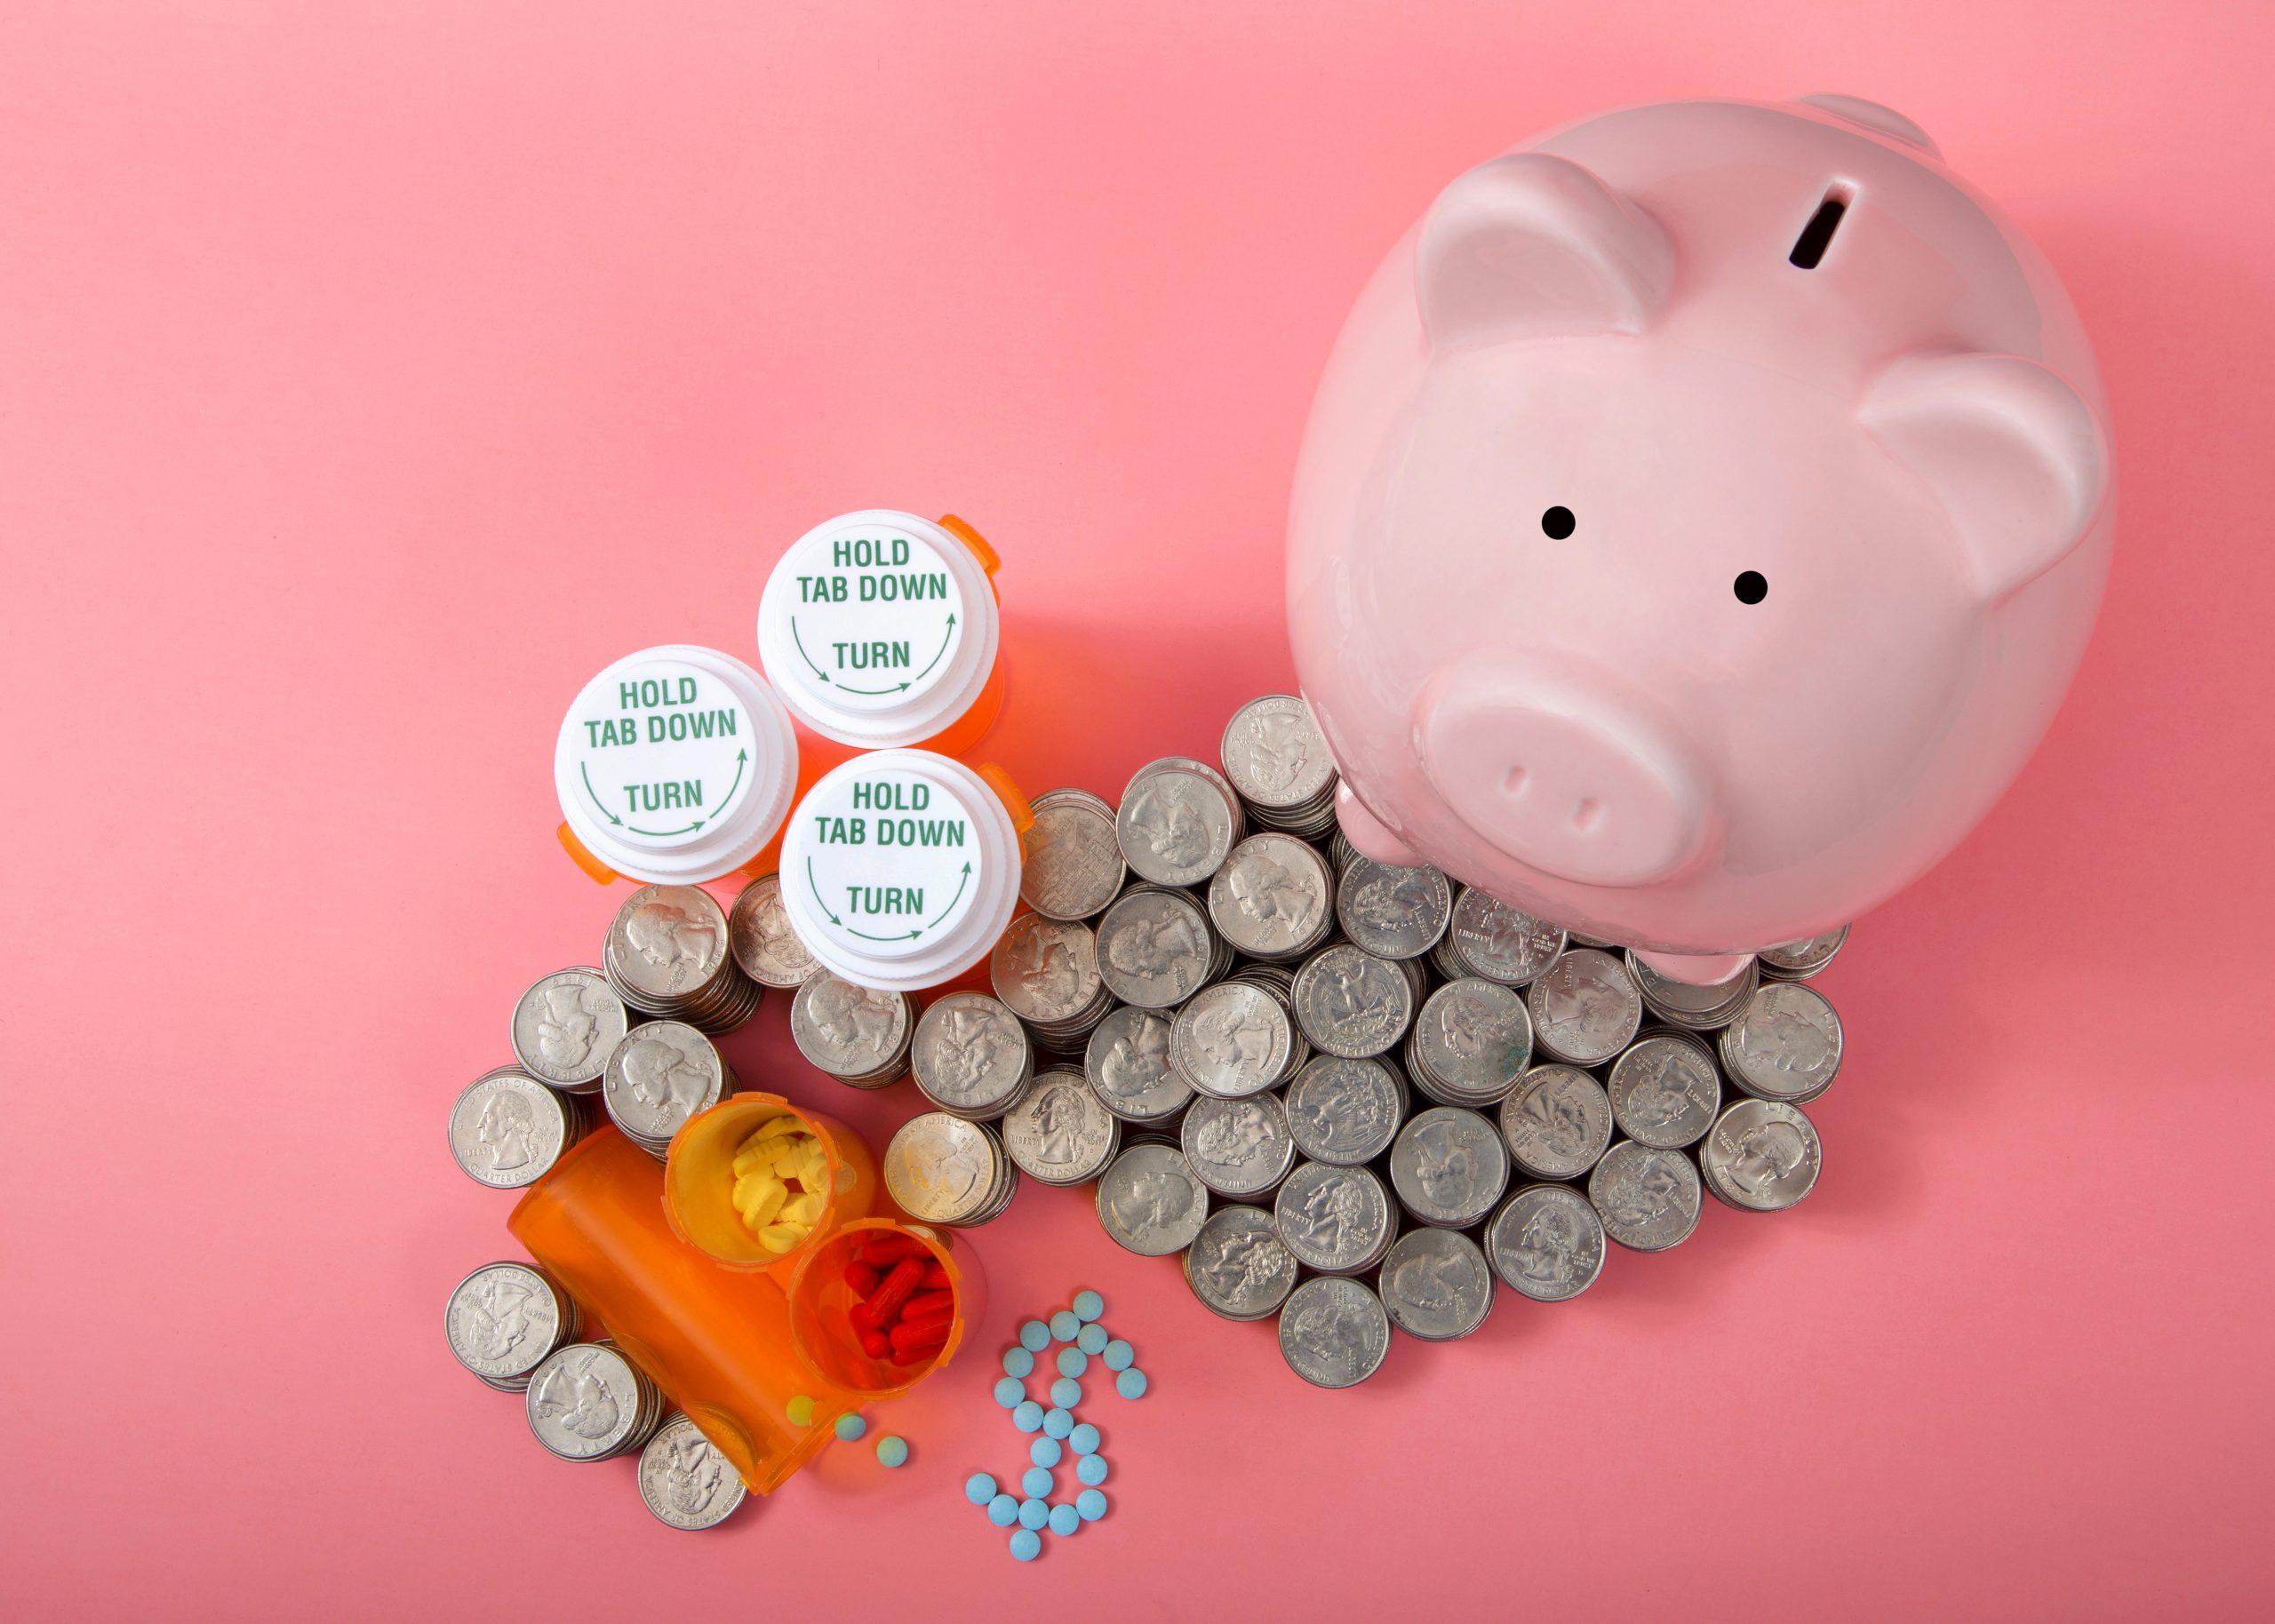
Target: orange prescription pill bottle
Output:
[(882, 631), (731, 1347), (674, 766), (700, 1177)]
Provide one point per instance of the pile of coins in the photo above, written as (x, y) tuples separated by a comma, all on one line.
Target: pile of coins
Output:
[(1351, 1095), (587, 1402), (506, 1319), (663, 1073), (858, 1035), (667, 956)]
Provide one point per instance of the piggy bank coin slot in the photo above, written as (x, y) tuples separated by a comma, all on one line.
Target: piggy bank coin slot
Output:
[(1817, 236)]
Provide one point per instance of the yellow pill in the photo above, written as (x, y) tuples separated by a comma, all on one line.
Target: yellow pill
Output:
[(780, 1237), (764, 1209), (801, 1209)]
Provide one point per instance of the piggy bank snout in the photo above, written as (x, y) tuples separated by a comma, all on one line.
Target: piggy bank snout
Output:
[(1564, 773)]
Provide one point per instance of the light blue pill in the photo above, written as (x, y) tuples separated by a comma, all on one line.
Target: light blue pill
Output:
[(979, 1488), (1083, 1441), (1119, 1355), (1028, 1416), (1065, 1392), (1044, 1452), (851, 1426), (1065, 1520), (1090, 1504), (892, 1450), (1073, 1361), (1003, 1511), (1009, 1392), (1091, 1470), (1064, 1326), (1027, 1545), (1130, 1383), (1058, 1423), (1034, 1336), (1090, 1339), (1019, 1363), (1037, 1482), (1033, 1514), (1087, 1306)]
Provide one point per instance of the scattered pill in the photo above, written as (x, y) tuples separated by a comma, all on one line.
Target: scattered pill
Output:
[(892, 1450), (800, 1411), (1119, 1355), (1026, 1544), (1033, 1513), (1064, 1519), (1130, 1383), (1045, 1452), (1034, 1336), (1019, 1363), (851, 1426), (1090, 1504), (1087, 1306), (1091, 1470), (1083, 1441), (1064, 1326), (1091, 1339), (1066, 1392), (1058, 1423), (1009, 1392), (1037, 1482), (1027, 1416), (1003, 1511), (979, 1488)]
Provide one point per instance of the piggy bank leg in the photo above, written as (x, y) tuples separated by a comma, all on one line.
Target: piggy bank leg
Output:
[(1365, 831), (1697, 969)]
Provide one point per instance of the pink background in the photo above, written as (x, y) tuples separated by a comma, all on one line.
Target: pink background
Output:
[(371, 373)]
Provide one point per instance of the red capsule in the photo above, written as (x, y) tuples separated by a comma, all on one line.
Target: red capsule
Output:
[(876, 1344), (860, 1278), (928, 1305), (926, 1333), (935, 1275), (885, 1302)]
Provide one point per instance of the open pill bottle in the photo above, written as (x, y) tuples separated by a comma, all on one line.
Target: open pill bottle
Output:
[(821, 1306), (882, 631), (700, 1177), (901, 867), (675, 765)]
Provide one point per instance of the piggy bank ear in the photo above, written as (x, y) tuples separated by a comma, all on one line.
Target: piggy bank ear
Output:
[(1535, 246), (2016, 456)]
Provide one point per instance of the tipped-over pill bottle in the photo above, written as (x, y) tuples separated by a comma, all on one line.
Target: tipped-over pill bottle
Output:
[(881, 631), (675, 765), (901, 867)]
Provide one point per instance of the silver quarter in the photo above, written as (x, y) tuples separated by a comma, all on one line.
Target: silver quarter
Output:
[(1546, 1243), (661, 1074), (508, 1129), (565, 1025), (586, 1402), (505, 1319), (1585, 1007), (1176, 823), (1664, 1091), (1785, 1044), (1128, 1063), (1344, 1112), (684, 1479), (1231, 1039), (1685, 1004), (942, 1169), (760, 934), (1273, 897), (1763, 1156), (1351, 1003), (1394, 912), (1073, 865), (1557, 1123), (1336, 1219), (667, 941), (1150, 1202), (1449, 1166), (1155, 948), (1647, 1199), (1800, 960), (1475, 1039), (1274, 754), (1334, 1332), (1502, 943), (1047, 970), (1435, 1285), (1240, 1149), (970, 1055), (1236, 1265), (1058, 1132), (853, 1033)]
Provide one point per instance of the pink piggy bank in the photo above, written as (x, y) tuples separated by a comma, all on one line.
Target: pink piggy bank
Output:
[(1701, 517)]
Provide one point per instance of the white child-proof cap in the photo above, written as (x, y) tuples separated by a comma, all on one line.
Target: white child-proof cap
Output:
[(675, 764), (900, 869), (880, 628)]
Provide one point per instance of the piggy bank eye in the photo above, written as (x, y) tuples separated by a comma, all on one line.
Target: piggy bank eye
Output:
[(1558, 522), (1750, 587)]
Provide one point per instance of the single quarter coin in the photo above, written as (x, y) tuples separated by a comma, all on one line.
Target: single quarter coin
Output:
[(684, 1479), (1647, 1199), (1333, 1332), (1436, 1285), (1546, 1243), (1585, 1007), (1762, 1155)]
